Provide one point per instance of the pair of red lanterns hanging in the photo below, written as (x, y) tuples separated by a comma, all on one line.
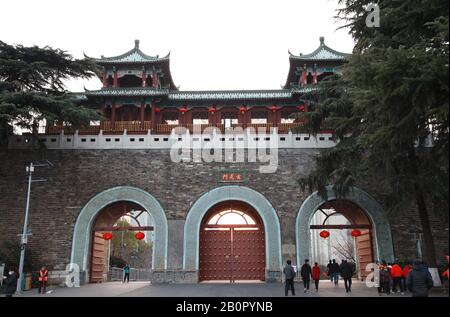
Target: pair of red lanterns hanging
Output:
[(325, 234), (139, 235)]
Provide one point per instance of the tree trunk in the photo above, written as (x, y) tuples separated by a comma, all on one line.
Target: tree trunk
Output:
[(429, 250)]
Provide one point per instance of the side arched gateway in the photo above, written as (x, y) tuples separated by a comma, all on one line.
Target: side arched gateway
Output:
[(235, 194), (84, 224), (383, 247)]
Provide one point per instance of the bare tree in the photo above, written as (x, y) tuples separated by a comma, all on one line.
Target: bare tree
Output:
[(344, 247)]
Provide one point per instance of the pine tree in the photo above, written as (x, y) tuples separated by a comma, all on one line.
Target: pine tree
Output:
[(391, 98), (32, 87)]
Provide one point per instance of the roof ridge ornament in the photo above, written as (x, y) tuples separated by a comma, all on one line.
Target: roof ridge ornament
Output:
[(322, 40), (136, 44)]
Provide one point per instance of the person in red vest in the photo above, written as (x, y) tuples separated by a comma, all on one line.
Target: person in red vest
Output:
[(316, 275), (43, 278), (406, 270), (397, 273)]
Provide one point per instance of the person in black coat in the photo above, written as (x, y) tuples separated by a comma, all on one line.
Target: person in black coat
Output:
[(419, 281), (306, 274), (11, 283), (346, 271)]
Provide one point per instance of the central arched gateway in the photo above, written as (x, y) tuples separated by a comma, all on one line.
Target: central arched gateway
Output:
[(259, 205), (232, 243)]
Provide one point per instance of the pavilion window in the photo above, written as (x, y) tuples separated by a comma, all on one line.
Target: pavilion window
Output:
[(286, 117), (130, 81), (148, 81), (200, 117), (127, 113), (259, 117), (229, 118), (309, 78), (170, 117), (324, 75), (110, 81)]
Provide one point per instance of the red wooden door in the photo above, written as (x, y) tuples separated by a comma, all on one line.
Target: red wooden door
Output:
[(232, 254), (364, 251), (215, 255), (248, 255)]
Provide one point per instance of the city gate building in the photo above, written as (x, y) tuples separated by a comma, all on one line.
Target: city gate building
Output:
[(211, 220)]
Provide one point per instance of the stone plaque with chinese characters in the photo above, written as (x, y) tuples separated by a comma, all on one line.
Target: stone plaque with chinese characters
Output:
[(232, 177)]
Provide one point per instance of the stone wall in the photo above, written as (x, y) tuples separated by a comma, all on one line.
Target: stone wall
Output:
[(78, 175)]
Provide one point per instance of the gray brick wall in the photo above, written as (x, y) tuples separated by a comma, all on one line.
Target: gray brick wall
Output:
[(78, 175)]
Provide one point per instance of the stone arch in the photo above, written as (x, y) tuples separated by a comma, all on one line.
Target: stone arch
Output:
[(83, 226), (239, 193), (382, 230)]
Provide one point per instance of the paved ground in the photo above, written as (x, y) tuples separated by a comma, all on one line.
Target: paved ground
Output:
[(145, 289)]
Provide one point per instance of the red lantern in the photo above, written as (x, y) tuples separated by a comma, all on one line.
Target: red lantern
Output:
[(242, 110), (157, 110), (107, 236), (139, 235), (212, 110), (356, 233), (302, 108), (183, 110), (324, 234)]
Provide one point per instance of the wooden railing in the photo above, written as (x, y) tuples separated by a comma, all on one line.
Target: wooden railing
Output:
[(132, 126), (167, 128), (107, 127)]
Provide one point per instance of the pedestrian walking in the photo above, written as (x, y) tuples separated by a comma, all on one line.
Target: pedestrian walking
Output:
[(396, 274), (330, 270), (316, 275), (289, 274), (126, 273), (335, 270), (306, 273), (10, 283), (385, 279), (407, 268), (419, 281), (43, 278), (346, 271)]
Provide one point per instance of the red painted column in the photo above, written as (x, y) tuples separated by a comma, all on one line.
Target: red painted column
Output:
[(180, 118), (143, 77), (113, 114), (153, 119), (104, 79), (115, 79), (315, 74), (142, 114)]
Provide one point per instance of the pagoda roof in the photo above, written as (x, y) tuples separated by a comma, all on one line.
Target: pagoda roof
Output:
[(230, 94), (134, 56), (322, 53), (322, 57), (198, 95), (127, 91)]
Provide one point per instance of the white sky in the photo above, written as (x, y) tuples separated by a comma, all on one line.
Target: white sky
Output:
[(233, 44)]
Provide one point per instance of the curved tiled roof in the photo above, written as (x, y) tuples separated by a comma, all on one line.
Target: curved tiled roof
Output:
[(133, 56), (145, 91), (322, 53), (200, 95)]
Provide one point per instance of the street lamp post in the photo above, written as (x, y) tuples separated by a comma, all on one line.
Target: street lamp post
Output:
[(24, 238)]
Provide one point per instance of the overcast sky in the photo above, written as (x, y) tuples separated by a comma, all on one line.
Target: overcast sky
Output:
[(232, 44)]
